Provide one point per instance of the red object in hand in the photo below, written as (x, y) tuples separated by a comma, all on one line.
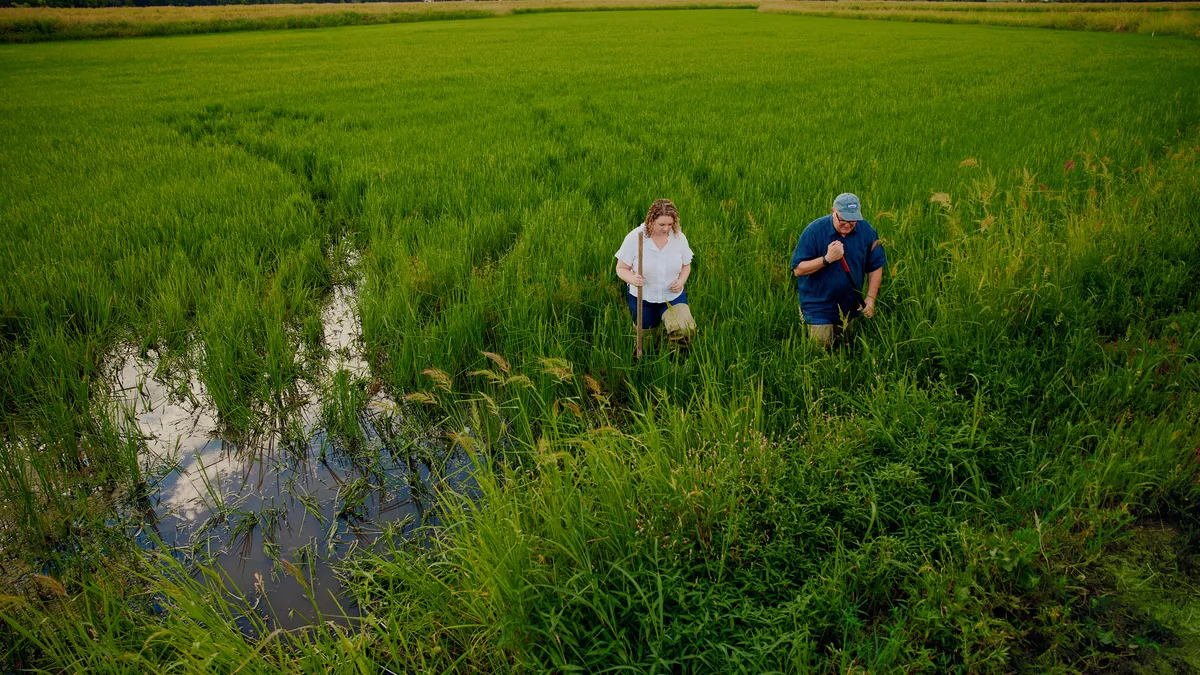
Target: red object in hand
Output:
[(849, 275)]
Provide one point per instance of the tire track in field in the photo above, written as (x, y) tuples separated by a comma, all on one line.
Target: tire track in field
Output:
[(570, 137), (338, 202), (277, 136)]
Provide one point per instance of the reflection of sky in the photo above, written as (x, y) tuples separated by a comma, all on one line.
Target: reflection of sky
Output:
[(175, 431), (262, 482), (342, 335)]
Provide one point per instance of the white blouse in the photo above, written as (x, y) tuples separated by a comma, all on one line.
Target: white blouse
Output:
[(661, 267)]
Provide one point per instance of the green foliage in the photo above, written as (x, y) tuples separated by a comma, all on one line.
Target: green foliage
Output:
[(342, 407), (952, 491)]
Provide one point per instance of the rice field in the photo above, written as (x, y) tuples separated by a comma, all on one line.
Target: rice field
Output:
[(313, 358), (35, 24)]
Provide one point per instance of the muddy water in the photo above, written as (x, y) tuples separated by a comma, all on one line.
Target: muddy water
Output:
[(289, 492)]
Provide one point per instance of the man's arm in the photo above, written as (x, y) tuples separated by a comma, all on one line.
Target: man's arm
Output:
[(806, 260), (873, 280), (832, 254), (876, 261), (807, 267)]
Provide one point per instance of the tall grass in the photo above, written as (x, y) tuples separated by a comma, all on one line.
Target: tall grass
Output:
[(39, 30), (1099, 17), (952, 491)]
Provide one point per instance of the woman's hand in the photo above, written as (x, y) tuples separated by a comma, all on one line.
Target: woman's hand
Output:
[(626, 274), (677, 285)]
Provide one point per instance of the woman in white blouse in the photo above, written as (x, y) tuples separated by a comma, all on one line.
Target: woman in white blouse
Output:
[(665, 268)]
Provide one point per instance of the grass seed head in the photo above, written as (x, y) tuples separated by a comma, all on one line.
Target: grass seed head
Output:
[(421, 397), (439, 377), (491, 375), (558, 368), (499, 361), (594, 385)]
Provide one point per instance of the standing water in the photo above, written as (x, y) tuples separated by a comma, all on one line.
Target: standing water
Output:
[(293, 492)]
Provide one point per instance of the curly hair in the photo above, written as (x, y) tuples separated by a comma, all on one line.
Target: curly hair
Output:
[(663, 207)]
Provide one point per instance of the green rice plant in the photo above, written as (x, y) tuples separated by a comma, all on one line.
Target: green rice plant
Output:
[(342, 406), (950, 490), (351, 499)]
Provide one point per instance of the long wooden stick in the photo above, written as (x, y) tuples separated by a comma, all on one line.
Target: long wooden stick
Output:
[(641, 238)]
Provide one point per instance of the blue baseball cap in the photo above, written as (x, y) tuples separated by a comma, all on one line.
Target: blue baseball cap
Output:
[(847, 207)]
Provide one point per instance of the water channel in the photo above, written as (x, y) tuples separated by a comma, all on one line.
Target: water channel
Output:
[(290, 492)]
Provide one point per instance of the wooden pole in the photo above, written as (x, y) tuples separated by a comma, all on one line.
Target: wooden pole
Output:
[(641, 238)]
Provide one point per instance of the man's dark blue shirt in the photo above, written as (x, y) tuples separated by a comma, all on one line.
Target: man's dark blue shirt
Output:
[(827, 294)]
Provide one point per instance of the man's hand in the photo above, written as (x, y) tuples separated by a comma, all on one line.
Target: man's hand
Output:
[(835, 251), (676, 286), (869, 308)]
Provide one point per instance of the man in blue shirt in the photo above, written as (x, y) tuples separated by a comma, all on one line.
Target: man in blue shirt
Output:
[(833, 255)]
